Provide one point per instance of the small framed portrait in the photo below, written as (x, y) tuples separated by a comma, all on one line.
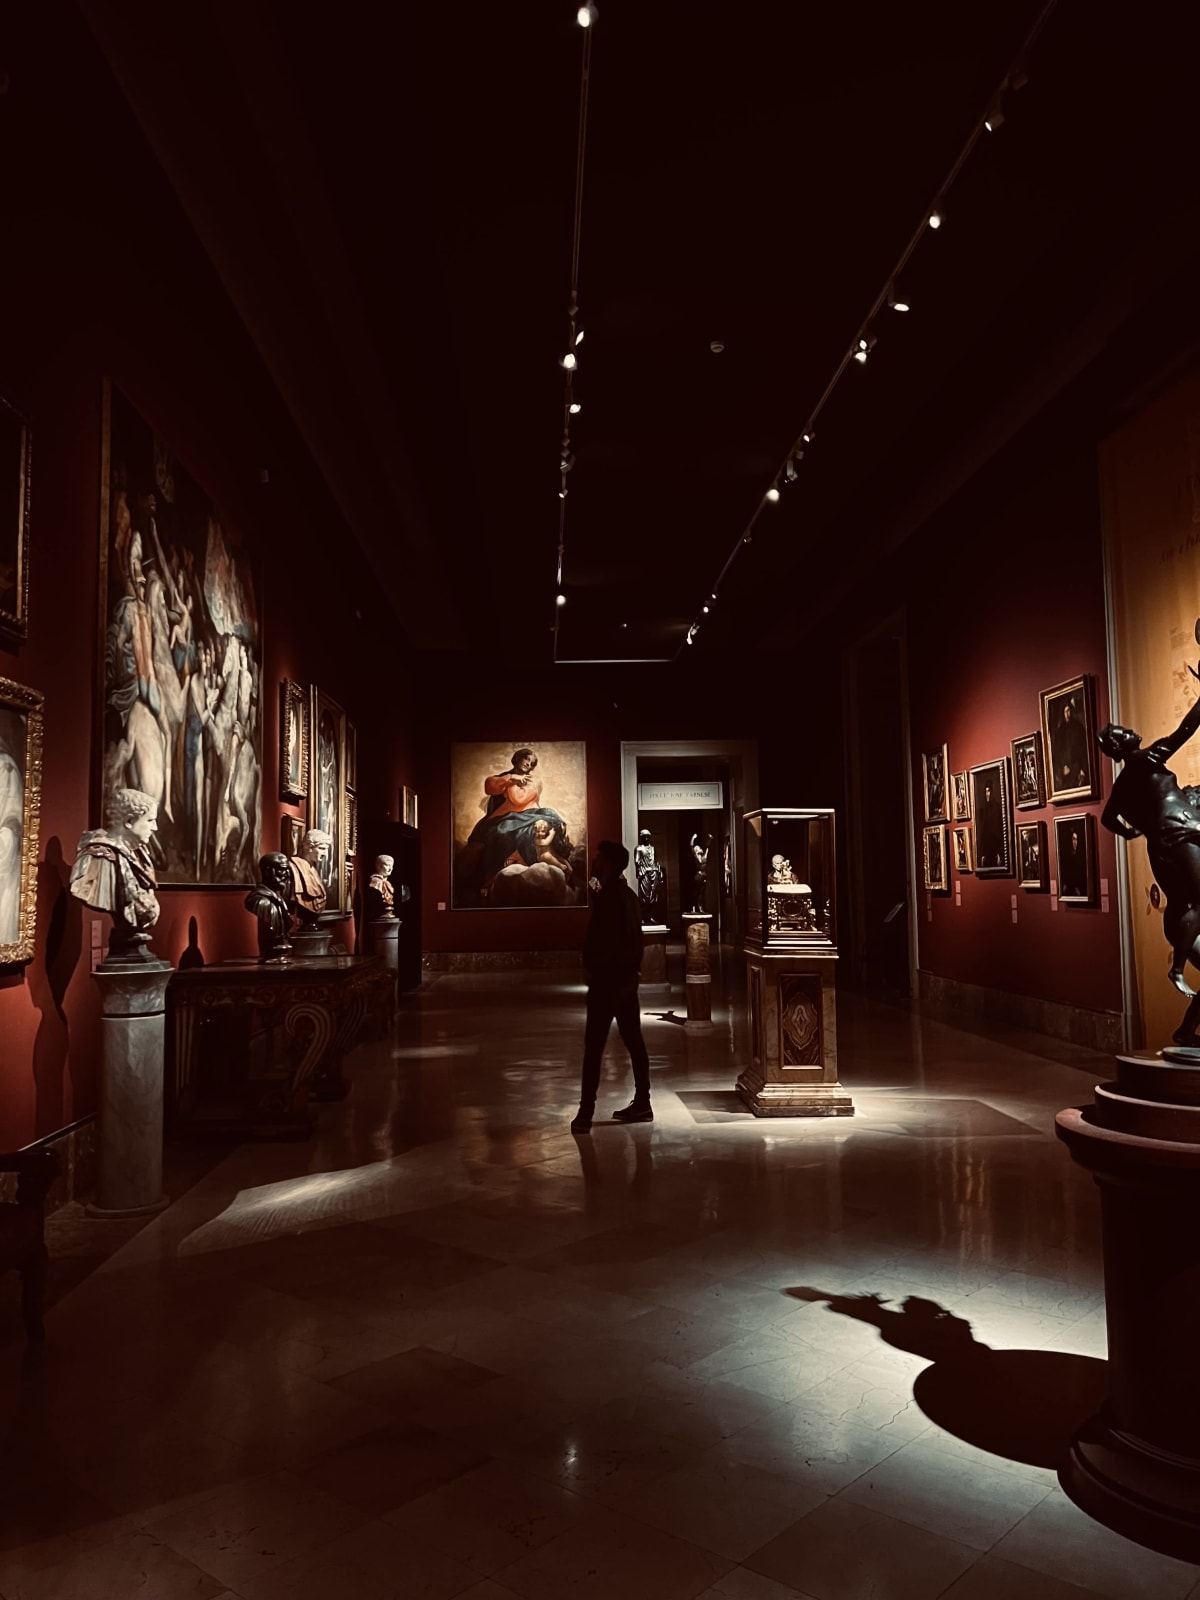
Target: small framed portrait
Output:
[(960, 796), (936, 877), (991, 805), (1075, 858), (291, 835), (960, 846), (20, 816), (15, 444), (1069, 740), (351, 824), (351, 756), (1033, 869), (935, 772), (408, 806), (293, 741), (1029, 782)]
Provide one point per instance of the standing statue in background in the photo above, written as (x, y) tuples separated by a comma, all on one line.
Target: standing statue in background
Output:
[(650, 878), (269, 903), (114, 872), (700, 845), (1147, 802)]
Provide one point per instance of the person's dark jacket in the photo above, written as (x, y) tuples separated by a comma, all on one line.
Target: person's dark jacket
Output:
[(612, 947)]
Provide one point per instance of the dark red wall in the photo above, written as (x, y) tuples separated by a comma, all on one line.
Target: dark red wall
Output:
[(1004, 607), (109, 281)]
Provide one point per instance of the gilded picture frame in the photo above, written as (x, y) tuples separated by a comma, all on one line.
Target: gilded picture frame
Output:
[(16, 450), (960, 796), (1069, 740), (1028, 772), (351, 756), (935, 779), (327, 793), (408, 806), (934, 845), (20, 818), (991, 806), (1075, 858), (293, 741), (1033, 866), (960, 850), (291, 835)]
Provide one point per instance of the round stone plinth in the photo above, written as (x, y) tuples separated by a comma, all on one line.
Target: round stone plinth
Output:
[(1149, 1497), (116, 1213)]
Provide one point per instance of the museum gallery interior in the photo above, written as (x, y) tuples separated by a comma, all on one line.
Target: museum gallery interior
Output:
[(436, 441)]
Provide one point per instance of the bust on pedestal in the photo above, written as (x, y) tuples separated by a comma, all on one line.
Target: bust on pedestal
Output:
[(114, 872), (269, 903), (307, 896), (383, 925)]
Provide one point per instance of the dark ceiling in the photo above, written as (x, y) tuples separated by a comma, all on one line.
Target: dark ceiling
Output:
[(387, 198)]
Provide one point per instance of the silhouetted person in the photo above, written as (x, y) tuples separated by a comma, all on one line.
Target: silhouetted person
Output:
[(612, 958)]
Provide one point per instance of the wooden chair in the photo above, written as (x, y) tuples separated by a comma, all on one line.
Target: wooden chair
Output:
[(22, 1226)]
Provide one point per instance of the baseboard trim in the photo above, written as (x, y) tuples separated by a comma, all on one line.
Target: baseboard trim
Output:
[(1094, 1030)]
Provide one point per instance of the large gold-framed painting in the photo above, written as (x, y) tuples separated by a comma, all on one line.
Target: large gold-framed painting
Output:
[(181, 640), (20, 811), (518, 825)]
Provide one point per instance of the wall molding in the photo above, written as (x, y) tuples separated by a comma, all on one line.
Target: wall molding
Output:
[(1094, 1030)]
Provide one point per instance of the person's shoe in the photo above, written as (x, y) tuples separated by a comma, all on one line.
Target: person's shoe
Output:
[(582, 1121), (637, 1111)]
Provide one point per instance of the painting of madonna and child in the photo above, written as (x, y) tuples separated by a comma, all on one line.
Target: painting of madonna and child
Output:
[(519, 825)]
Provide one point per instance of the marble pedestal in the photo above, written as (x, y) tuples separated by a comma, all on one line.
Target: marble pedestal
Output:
[(698, 976), (383, 940), (132, 1035), (654, 954), (793, 1037), (310, 942), (1136, 1465)]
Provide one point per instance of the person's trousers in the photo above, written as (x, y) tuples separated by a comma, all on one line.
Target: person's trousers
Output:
[(606, 1003)]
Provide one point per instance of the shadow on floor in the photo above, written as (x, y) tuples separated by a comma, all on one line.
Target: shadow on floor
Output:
[(1024, 1405)]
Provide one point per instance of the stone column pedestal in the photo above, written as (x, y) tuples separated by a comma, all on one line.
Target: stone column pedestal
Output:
[(793, 1037), (383, 939), (698, 976), (654, 955), (1136, 1465), (132, 1031)]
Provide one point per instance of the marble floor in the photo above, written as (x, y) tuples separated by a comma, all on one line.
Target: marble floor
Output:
[(446, 1349)]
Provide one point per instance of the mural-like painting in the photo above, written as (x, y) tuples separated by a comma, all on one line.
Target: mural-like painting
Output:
[(181, 679), (519, 825)]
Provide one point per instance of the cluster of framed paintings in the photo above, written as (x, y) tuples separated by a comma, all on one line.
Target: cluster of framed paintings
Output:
[(318, 767), (1054, 764)]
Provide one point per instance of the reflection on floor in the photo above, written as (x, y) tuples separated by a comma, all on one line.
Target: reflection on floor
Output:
[(449, 1350)]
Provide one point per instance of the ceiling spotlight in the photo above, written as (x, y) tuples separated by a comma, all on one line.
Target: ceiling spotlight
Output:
[(896, 302), (717, 346), (865, 345), (579, 337), (560, 600), (936, 218), (569, 361), (789, 470), (586, 15), (1019, 76), (773, 493), (808, 436), (994, 118), (562, 493), (692, 632), (575, 408), (704, 609)]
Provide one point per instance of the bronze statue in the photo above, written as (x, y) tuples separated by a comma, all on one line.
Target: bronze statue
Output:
[(1147, 802), (114, 872), (269, 903)]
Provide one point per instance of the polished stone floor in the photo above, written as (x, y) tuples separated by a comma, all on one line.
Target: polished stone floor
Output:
[(449, 1350)]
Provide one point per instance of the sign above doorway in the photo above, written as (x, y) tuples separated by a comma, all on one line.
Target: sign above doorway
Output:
[(704, 796)]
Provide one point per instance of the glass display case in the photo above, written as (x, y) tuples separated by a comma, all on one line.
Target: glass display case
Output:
[(789, 877)]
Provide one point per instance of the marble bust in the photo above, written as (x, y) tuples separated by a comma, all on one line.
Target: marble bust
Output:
[(381, 895), (306, 893), (114, 872)]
